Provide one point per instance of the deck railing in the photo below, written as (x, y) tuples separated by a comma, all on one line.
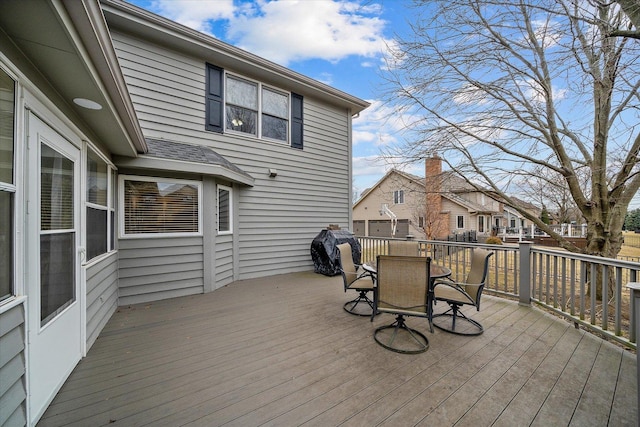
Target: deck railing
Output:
[(557, 280)]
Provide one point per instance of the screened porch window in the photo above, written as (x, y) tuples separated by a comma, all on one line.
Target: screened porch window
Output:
[(100, 206), (7, 185), (160, 207)]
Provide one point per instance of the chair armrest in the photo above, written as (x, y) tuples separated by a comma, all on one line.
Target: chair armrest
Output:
[(450, 283), (364, 273)]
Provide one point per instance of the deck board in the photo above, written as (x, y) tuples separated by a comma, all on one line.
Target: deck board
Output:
[(281, 351)]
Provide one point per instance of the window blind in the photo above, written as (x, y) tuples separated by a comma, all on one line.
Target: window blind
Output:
[(160, 207)]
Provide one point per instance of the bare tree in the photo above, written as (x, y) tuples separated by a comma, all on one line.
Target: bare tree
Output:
[(501, 89), (632, 9), (547, 188)]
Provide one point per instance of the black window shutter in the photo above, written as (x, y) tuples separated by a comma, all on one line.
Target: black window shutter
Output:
[(296, 121), (214, 108)]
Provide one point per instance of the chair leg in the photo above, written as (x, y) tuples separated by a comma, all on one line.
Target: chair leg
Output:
[(457, 316), (351, 306), (410, 340)]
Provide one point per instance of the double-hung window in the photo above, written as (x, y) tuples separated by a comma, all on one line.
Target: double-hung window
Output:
[(160, 207), (241, 107), (256, 109), (224, 210), (460, 222), (238, 105), (275, 114), (398, 197), (7, 183), (100, 206)]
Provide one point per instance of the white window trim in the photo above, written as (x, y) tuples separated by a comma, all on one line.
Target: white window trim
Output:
[(16, 188), (111, 172), (259, 130), (121, 218), (399, 198), (463, 222), (230, 190)]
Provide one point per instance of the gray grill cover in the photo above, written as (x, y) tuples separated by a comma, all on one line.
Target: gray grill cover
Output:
[(325, 254)]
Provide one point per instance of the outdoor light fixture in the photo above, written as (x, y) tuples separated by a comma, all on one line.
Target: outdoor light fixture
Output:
[(87, 103)]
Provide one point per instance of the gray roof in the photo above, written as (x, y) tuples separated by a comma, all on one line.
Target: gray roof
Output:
[(188, 153), (168, 155)]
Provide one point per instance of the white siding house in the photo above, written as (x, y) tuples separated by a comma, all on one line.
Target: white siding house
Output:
[(131, 171)]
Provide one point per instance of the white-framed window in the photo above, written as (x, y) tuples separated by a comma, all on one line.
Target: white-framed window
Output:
[(225, 210), (460, 222), (159, 207), (7, 184), (481, 223), (256, 109), (398, 197), (512, 222), (100, 205)]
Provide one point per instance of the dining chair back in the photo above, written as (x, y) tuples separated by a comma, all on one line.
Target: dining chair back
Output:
[(355, 278), (457, 294), (404, 248), (402, 289)]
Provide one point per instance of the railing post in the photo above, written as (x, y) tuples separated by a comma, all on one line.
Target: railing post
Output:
[(635, 327), (525, 273)]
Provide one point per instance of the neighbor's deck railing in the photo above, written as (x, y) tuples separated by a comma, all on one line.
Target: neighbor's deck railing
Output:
[(555, 279)]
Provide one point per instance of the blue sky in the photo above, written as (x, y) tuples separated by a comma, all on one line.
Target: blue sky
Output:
[(338, 43)]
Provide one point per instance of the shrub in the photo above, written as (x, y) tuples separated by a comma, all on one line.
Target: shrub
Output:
[(493, 240)]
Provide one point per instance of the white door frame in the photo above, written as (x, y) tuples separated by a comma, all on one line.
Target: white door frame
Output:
[(53, 349)]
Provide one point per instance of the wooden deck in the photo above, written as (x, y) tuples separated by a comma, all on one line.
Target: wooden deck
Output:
[(281, 351)]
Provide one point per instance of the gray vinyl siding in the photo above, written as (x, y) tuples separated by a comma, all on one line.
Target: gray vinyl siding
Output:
[(159, 268), (224, 260), (278, 217), (12, 368), (102, 295)]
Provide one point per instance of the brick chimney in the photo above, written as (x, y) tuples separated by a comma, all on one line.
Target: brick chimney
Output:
[(433, 186)]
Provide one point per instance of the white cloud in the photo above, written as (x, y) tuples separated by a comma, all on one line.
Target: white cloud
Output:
[(536, 94), (379, 124), (285, 31), (293, 30), (470, 95), (326, 78), (367, 170), (547, 33), (195, 14)]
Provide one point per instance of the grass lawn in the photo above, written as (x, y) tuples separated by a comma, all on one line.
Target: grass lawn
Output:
[(631, 248)]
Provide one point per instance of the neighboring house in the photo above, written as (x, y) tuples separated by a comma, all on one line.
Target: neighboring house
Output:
[(437, 206), (513, 222), (404, 196), (138, 164)]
